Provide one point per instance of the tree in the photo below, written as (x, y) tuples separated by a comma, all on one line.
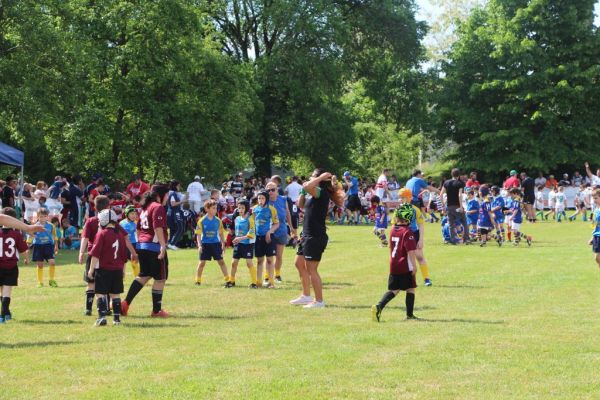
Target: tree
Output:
[(520, 86)]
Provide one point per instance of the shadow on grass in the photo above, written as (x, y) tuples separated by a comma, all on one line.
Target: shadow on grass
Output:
[(48, 322), (364, 307), (460, 321), (154, 326), (24, 345), (461, 287), (191, 316)]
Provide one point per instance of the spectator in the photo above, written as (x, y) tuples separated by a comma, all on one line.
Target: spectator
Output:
[(293, 189), (136, 188), (565, 181), (237, 186), (195, 190), (551, 183), (8, 192), (540, 180), (381, 189), (454, 189), (393, 187), (472, 181), (577, 179), (595, 179), (512, 181), (528, 185), (417, 184)]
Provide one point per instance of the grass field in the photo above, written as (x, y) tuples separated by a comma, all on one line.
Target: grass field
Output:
[(499, 323)]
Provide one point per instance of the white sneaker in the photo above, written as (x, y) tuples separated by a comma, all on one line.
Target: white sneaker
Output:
[(302, 300), (172, 247), (315, 304)]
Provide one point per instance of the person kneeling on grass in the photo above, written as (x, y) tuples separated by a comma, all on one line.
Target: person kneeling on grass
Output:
[(109, 256), (403, 263)]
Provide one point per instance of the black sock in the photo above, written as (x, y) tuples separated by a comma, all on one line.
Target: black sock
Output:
[(101, 303), (387, 297), (107, 302), (5, 306), (410, 304), (134, 289), (89, 299), (156, 300), (116, 309)]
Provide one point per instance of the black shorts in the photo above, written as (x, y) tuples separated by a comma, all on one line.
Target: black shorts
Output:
[(108, 281), (211, 251), (353, 203), (242, 250), (86, 278), (151, 266), (596, 244), (402, 282), (484, 231), (264, 249), (417, 234), (418, 202), (312, 247), (529, 199), (433, 206), (43, 252), (9, 277)]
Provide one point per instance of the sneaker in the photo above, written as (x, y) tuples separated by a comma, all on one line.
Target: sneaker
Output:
[(265, 282), (160, 314), (198, 283), (278, 279), (116, 322), (124, 308), (7, 317), (412, 318), (482, 244), (375, 313), (315, 304), (529, 240), (302, 300), (172, 247), (232, 284), (253, 286), (40, 284), (87, 313), (52, 283), (227, 285), (428, 282), (100, 322)]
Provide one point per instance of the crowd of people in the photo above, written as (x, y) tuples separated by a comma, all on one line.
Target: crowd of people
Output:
[(258, 218)]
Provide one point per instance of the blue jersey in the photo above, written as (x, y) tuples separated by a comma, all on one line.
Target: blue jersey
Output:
[(48, 236), (264, 218), (516, 206), (499, 213), (472, 205), (130, 227), (281, 207), (71, 232), (381, 217), (597, 222), (244, 226), (209, 229), (353, 190), (416, 186), (484, 220)]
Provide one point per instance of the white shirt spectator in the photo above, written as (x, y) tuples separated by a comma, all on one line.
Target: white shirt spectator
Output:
[(194, 193), (540, 181), (293, 191), (382, 183)]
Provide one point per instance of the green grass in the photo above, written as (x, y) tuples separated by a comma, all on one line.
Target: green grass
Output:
[(519, 323)]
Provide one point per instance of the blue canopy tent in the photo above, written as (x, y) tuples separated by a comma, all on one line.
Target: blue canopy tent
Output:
[(11, 156)]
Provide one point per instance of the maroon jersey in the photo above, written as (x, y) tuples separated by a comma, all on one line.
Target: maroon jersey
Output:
[(90, 230), (110, 249), (402, 240), (152, 218), (11, 244)]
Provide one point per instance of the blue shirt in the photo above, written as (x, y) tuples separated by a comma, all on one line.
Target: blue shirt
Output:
[(209, 229), (516, 205), (353, 190), (416, 186), (472, 205), (484, 220), (244, 226), (597, 222), (281, 207), (173, 195), (499, 213), (264, 218), (381, 217), (47, 236), (130, 227)]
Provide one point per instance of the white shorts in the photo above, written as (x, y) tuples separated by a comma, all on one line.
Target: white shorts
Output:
[(559, 209), (515, 226)]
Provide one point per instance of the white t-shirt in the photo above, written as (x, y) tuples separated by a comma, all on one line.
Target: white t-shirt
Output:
[(540, 181), (560, 201), (194, 191), (539, 200), (293, 191), (382, 183), (551, 199), (595, 180)]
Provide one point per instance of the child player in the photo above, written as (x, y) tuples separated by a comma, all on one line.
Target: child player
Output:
[(11, 244), (129, 224), (45, 247), (485, 221), (539, 203), (498, 206), (109, 256), (403, 263), (472, 212), (595, 240), (516, 217), (211, 242), (243, 242), (267, 222), (381, 220), (560, 201)]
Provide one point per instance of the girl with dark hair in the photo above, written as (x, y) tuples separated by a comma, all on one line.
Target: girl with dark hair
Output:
[(174, 215), (152, 250), (314, 198)]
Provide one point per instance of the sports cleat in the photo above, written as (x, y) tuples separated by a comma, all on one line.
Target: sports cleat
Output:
[(87, 313), (116, 322), (278, 279), (100, 322), (376, 313), (265, 282), (482, 244), (124, 308), (7, 317), (315, 304), (160, 314), (529, 241), (253, 286), (302, 300), (227, 285), (412, 318), (232, 284), (172, 247), (428, 282), (52, 283), (198, 283)]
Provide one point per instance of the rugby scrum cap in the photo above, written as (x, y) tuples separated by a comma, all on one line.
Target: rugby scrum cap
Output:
[(347, 173), (404, 212), (129, 209), (107, 216), (513, 172)]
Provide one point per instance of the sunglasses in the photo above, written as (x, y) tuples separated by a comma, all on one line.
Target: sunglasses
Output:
[(272, 190)]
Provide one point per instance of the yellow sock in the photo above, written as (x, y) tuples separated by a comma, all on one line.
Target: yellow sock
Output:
[(226, 278), (265, 276), (136, 268), (277, 271), (52, 272), (252, 271), (40, 274), (231, 278), (198, 279), (425, 271)]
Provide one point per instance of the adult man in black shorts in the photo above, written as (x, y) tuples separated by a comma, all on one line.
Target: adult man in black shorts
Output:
[(528, 185), (454, 189)]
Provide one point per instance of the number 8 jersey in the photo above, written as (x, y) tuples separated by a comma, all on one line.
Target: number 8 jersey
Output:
[(11, 244), (402, 240)]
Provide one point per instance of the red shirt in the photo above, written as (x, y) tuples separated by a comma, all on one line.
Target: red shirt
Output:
[(110, 249), (135, 190), (402, 240), (512, 182), (90, 230), (11, 244), (472, 183), (152, 218)]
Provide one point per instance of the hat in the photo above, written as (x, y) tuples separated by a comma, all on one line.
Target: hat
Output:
[(404, 212), (129, 209), (565, 175), (513, 172), (347, 173), (197, 178), (107, 216)]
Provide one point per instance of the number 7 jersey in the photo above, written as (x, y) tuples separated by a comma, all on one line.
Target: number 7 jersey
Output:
[(11, 244), (402, 240)]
